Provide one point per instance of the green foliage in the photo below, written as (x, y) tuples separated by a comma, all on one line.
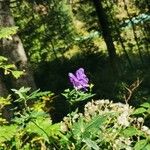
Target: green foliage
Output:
[(102, 125), (6, 32), (3, 103), (23, 94), (49, 31), (140, 19), (9, 68), (74, 96), (30, 127), (140, 145), (7, 133), (43, 128), (144, 110), (82, 129)]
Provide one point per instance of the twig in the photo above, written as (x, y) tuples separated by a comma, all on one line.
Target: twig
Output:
[(131, 89)]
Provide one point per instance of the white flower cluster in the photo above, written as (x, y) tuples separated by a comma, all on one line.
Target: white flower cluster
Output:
[(121, 143), (105, 106)]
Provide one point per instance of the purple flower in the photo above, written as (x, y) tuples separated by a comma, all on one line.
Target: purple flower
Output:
[(79, 80)]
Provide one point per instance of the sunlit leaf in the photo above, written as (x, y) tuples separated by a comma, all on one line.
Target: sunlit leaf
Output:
[(17, 74), (140, 145), (139, 111)]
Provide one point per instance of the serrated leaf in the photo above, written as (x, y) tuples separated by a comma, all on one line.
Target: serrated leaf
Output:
[(140, 145), (21, 90), (37, 93), (82, 128)]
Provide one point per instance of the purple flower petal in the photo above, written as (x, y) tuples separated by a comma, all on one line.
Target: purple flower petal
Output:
[(80, 73), (79, 80), (72, 77)]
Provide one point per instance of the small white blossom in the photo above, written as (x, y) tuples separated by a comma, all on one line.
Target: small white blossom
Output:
[(140, 119), (107, 101), (75, 116), (148, 132), (129, 148), (101, 101), (63, 127), (144, 128), (123, 119)]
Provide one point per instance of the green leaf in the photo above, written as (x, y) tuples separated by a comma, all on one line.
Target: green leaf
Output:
[(9, 66), (96, 122), (140, 145), (147, 147), (6, 32), (22, 93), (7, 132), (91, 144), (146, 105), (128, 132), (4, 101), (78, 128), (43, 128), (82, 129), (37, 93), (17, 74), (139, 111), (21, 90), (3, 58), (93, 126)]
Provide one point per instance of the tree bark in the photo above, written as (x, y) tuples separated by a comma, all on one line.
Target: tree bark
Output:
[(106, 32), (3, 90), (13, 49)]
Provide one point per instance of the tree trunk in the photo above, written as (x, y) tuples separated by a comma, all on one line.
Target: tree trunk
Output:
[(13, 49), (120, 39), (106, 32), (3, 90)]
